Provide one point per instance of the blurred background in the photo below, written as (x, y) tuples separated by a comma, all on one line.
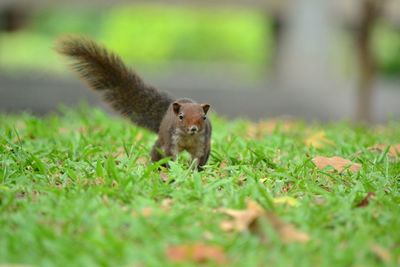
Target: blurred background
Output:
[(311, 59)]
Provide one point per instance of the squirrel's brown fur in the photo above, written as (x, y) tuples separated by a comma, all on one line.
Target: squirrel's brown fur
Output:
[(181, 124)]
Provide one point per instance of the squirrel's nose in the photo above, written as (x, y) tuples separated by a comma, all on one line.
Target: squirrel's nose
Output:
[(193, 129)]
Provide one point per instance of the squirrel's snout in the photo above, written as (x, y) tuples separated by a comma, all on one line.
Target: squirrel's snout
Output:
[(193, 129)]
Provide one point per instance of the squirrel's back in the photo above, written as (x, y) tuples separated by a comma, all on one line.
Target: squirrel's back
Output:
[(121, 86)]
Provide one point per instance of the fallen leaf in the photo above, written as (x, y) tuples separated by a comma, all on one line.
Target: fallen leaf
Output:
[(147, 212), (287, 231), (382, 253), (337, 163), (198, 253), (317, 140), (290, 201), (365, 201), (164, 177), (393, 152), (248, 219), (166, 204), (262, 128), (241, 218)]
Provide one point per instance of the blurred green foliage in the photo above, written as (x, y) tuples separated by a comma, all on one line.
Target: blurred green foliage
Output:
[(387, 49), (147, 34), (53, 22), (158, 34), (144, 33)]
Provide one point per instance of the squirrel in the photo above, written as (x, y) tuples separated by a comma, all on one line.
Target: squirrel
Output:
[(181, 124)]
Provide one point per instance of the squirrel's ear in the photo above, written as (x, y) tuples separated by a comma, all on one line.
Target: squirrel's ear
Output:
[(176, 107), (205, 107)]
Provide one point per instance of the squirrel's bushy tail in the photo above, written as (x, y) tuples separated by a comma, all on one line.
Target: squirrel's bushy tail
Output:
[(122, 87)]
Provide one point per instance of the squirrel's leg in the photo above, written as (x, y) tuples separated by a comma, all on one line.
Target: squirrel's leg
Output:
[(159, 152), (201, 161)]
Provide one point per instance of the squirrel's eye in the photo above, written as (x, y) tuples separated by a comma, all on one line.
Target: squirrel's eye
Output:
[(204, 117), (181, 116)]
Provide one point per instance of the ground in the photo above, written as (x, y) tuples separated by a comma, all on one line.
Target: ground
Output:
[(77, 189)]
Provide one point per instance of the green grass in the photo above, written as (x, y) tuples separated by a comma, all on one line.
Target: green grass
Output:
[(73, 187)]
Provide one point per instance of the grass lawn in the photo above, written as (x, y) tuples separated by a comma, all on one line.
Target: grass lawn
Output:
[(77, 189)]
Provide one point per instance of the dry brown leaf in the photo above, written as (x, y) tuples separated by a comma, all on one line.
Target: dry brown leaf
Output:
[(317, 140), (248, 219), (394, 150), (262, 128), (197, 252), (287, 232), (241, 218), (164, 177), (337, 163), (366, 199), (166, 204), (144, 212), (147, 212), (382, 253)]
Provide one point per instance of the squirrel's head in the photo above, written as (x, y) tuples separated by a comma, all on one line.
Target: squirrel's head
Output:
[(190, 117)]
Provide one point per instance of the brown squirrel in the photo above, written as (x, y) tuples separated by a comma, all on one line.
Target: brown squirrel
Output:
[(181, 124)]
